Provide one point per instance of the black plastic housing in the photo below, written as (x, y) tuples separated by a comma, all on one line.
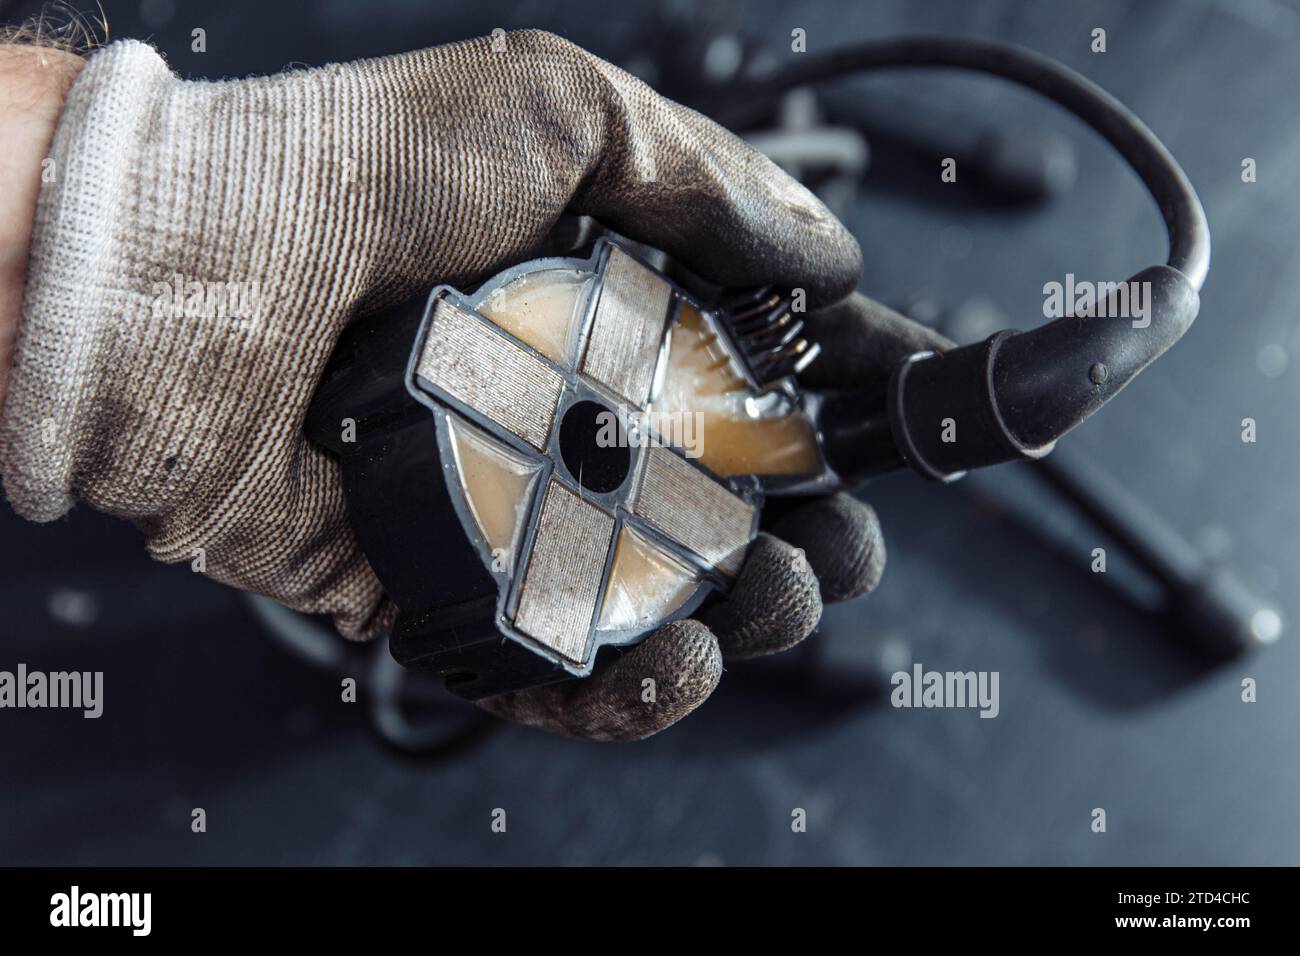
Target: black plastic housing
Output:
[(400, 508)]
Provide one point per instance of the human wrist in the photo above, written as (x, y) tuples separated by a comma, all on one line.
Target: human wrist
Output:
[(34, 83)]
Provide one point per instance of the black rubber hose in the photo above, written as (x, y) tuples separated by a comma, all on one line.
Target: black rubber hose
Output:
[(1189, 233)]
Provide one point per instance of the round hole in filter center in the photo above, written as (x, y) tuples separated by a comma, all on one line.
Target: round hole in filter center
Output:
[(594, 446)]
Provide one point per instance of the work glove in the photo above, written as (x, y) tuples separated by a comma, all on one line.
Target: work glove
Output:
[(309, 198)]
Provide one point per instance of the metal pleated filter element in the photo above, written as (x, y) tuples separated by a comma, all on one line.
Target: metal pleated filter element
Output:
[(606, 440)]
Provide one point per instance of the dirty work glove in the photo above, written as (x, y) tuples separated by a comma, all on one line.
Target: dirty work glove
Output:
[(199, 247)]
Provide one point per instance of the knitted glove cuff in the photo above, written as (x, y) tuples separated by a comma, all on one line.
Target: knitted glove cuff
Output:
[(79, 289)]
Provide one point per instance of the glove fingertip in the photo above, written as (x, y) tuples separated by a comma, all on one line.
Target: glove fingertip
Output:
[(774, 604), (643, 691), (843, 541)]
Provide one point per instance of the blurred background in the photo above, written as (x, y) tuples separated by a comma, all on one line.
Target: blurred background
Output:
[(1104, 703)]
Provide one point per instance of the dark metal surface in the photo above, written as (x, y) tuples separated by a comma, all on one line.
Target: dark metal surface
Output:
[(1098, 708)]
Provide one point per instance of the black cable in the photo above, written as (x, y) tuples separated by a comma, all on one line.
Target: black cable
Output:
[(1189, 233)]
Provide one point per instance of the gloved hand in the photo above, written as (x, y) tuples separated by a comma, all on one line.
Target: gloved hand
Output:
[(281, 208)]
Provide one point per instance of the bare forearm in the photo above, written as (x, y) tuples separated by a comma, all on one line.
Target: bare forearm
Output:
[(33, 83)]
